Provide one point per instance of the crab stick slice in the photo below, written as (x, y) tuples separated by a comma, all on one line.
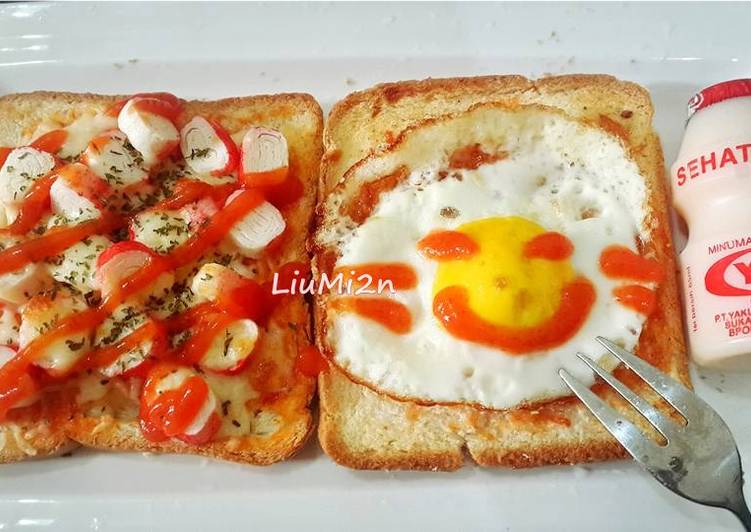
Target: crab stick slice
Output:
[(41, 314), (163, 103), (178, 403), (153, 135), (264, 157), (208, 148), (230, 348), (6, 354), (113, 158), (211, 280), (123, 322), (238, 295), (21, 169), (78, 194), (257, 229), (124, 259)]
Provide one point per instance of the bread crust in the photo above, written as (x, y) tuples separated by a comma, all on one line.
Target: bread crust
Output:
[(37, 431), (299, 117), (363, 429)]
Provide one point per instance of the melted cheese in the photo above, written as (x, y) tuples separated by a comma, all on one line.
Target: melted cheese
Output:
[(40, 315), (76, 266), (91, 388), (9, 324), (105, 422), (82, 130), (266, 423), (21, 170), (20, 439), (123, 321), (232, 394), (162, 231), (17, 287)]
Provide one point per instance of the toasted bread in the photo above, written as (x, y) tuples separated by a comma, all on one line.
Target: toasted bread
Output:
[(38, 430), (363, 429), (277, 428)]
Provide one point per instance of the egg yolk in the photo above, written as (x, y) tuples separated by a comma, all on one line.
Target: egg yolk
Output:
[(506, 286)]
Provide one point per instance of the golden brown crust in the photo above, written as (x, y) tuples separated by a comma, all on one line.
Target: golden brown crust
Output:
[(299, 118), (593, 451), (37, 431), (362, 429), (110, 434)]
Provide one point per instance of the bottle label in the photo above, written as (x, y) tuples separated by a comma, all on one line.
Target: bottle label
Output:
[(730, 275), (728, 159), (717, 282)]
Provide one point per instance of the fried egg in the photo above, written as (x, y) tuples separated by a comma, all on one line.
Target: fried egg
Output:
[(489, 320)]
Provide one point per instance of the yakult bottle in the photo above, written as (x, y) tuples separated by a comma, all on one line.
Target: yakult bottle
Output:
[(711, 183)]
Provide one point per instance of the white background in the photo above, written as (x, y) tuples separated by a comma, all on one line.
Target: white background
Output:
[(215, 50)]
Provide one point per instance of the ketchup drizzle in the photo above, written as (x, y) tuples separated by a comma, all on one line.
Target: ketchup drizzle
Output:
[(57, 240)]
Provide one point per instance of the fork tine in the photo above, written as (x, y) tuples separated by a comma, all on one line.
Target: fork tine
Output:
[(671, 390), (655, 418), (637, 445)]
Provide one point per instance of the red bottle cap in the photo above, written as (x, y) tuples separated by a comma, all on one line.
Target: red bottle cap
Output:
[(713, 94)]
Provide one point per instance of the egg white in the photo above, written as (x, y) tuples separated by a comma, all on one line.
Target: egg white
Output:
[(587, 189)]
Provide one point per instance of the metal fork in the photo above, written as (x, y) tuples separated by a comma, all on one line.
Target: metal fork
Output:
[(700, 461)]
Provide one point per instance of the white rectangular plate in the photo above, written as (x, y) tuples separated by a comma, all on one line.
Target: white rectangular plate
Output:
[(211, 50)]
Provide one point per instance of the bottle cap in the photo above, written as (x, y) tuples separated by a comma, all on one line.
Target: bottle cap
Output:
[(713, 94)]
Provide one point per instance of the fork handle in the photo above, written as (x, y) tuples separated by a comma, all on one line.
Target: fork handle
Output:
[(740, 509)]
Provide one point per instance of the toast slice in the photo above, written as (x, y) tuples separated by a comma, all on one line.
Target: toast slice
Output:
[(267, 428), (38, 430), (363, 429)]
